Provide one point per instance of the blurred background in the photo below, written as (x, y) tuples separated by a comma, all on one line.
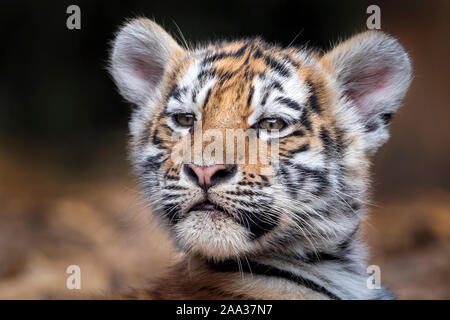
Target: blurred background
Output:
[(66, 195)]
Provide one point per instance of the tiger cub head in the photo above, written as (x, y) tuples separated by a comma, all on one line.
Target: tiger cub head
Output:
[(311, 121)]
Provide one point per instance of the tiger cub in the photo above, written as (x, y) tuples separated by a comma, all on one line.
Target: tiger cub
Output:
[(278, 224)]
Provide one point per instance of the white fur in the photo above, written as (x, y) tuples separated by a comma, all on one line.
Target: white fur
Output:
[(141, 52), (374, 72)]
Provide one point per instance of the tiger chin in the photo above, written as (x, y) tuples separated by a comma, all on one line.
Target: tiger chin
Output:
[(284, 229)]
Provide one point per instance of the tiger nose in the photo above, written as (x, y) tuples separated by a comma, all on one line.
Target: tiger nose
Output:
[(208, 176)]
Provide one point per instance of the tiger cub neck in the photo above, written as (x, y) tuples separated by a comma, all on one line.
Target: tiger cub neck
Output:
[(336, 274)]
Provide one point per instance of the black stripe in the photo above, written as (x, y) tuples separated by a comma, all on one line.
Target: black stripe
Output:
[(153, 163), (277, 86), (225, 75), (257, 54), (313, 98), (205, 74), (171, 212), (242, 193), (265, 270), (289, 102), (302, 148), (250, 96), (241, 51), (317, 176), (256, 221), (372, 126), (304, 120), (265, 97), (175, 187), (286, 179), (386, 118), (156, 140), (298, 133), (276, 66), (327, 141), (194, 95), (176, 92), (216, 57), (245, 183), (341, 143), (264, 178), (222, 55), (316, 257), (345, 244), (208, 95), (295, 64), (248, 74)]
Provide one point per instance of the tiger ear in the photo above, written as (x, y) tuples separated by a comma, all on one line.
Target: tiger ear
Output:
[(141, 53), (373, 71)]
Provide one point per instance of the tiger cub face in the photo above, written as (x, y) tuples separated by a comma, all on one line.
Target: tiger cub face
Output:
[(321, 116)]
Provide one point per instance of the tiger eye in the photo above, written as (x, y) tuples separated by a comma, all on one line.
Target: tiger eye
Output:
[(272, 124), (185, 119)]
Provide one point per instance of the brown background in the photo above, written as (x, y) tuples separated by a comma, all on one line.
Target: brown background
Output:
[(66, 196)]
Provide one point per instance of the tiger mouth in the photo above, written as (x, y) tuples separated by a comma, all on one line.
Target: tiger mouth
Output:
[(207, 206)]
